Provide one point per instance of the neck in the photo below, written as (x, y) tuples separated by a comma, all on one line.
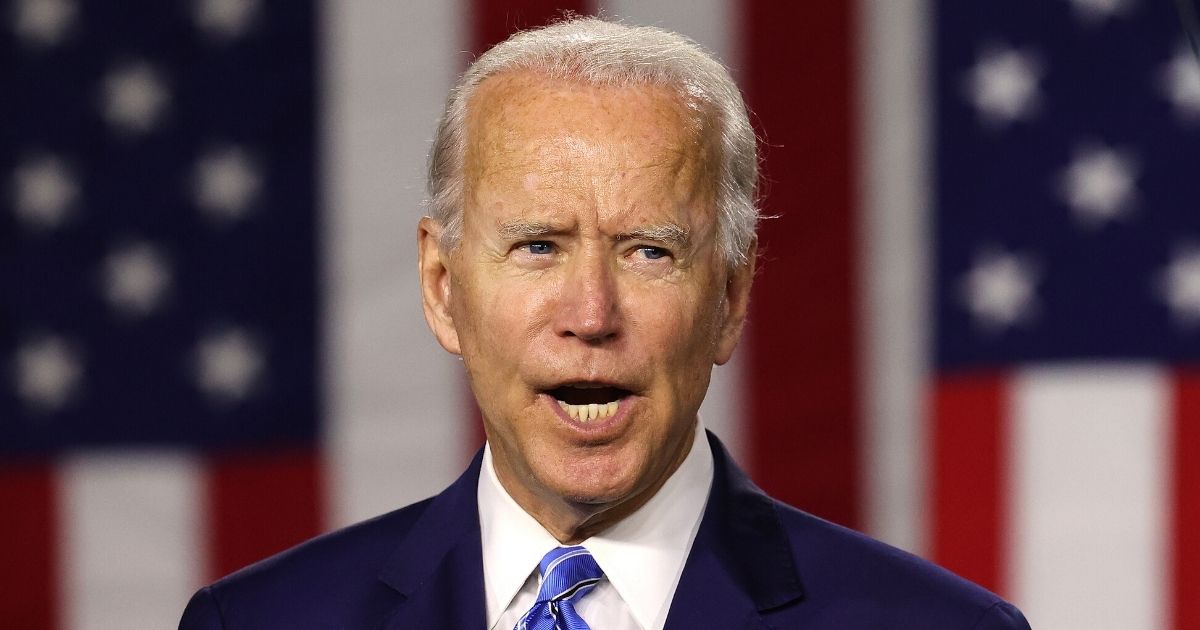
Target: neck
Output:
[(572, 521)]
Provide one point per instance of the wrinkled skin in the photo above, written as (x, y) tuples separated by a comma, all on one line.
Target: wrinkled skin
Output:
[(588, 256)]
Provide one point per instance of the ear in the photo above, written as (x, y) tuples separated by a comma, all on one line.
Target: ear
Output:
[(737, 304), (434, 269)]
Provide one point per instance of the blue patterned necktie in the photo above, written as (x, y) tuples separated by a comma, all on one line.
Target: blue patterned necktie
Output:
[(568, 573)]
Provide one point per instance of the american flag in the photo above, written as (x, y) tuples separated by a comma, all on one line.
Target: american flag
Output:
[(974, 333)]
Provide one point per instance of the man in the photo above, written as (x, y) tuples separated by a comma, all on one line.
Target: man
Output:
[(589, 256)]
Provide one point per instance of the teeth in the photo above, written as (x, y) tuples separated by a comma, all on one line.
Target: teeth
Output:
[(590, 412)]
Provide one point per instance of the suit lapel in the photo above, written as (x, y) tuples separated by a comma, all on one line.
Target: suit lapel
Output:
[(709, 597), (740, 569), (438, 568)]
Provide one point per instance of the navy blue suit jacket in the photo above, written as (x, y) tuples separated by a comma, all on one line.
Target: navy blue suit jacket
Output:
[(756, 563)]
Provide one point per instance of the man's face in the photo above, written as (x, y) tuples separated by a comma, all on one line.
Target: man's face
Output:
[(587, 297)]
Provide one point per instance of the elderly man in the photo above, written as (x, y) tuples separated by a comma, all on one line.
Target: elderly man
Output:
[(589, 256)]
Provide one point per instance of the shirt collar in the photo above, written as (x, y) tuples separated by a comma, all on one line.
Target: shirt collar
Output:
[(513, 542), (642, 556)]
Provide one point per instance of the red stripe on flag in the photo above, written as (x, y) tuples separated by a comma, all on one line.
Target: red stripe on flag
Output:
[(969, 477), (492, 22), (801, 381), (495, 20), (1185, 536), (260, 503), (28, 579)]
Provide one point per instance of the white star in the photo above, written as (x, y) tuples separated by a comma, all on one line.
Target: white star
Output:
[(1180, 83), (1099, 185), (48, 373), (134, 98), (1094, 11), (135, 279), (1180, 286), (227, 183), (225, 19), (999, 289), (44, 190), (44, 22), (229, 365), (1003, 85)]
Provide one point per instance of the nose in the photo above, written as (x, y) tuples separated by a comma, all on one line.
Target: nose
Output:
[(588, 307)]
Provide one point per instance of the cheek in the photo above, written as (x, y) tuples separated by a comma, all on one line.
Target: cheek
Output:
[(681, 323), (500, 321)]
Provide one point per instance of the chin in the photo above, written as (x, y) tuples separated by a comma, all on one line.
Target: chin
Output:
[(593, 485), (592, 500)]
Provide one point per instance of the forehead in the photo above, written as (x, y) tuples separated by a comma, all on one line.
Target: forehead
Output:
[(513, 97), (528, 131)]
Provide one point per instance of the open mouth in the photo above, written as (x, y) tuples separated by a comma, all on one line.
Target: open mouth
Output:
[(587, 403)]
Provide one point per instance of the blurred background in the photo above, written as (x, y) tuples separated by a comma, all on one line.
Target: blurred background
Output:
[(974, 333)]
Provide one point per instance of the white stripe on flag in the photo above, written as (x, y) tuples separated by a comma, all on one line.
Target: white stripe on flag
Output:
[(398, 423), (894, 194), (714, 25), (1089, 509), (132, 536)]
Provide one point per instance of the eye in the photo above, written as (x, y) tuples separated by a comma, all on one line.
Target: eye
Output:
[(539, 248), (653, 253)]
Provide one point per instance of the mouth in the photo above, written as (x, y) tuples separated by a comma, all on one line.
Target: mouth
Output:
[(589, 402)]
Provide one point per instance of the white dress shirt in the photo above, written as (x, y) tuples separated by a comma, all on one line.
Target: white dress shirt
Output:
[(642, 556)]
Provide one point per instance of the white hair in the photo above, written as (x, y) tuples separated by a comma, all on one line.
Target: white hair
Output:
[(605, 53)]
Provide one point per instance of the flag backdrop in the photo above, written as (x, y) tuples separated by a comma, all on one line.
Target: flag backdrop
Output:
[(975, 332)]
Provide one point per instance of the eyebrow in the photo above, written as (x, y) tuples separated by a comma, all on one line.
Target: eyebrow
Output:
[(668, 233), (520, 228)]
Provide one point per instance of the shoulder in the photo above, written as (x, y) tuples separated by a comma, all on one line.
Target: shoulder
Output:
[(310, 581), (874, 581), (808, 572), (355, 551), (755, 555)]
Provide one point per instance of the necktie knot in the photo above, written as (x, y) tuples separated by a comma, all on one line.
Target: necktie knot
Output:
[(568, 573)]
